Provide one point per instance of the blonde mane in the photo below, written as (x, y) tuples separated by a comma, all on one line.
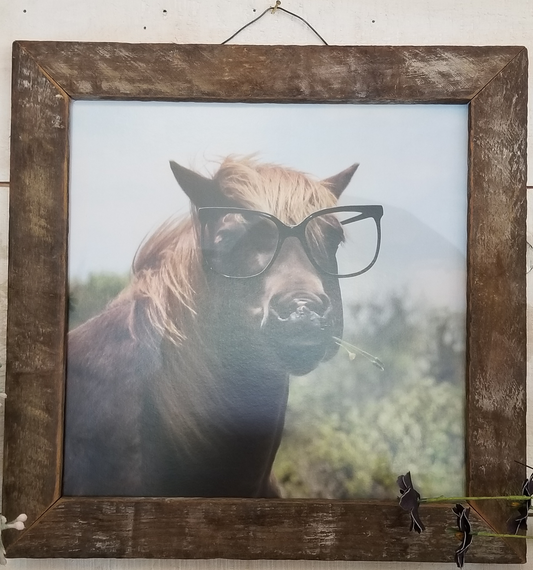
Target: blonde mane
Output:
[(287, 194), (167, 277)]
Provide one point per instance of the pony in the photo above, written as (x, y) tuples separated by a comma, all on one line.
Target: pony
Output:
[(179, 386)]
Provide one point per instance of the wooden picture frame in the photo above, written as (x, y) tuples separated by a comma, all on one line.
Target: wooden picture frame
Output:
[(46, 77)]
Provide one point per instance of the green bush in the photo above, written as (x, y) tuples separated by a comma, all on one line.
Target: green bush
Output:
[(351, 428), (88, 298)]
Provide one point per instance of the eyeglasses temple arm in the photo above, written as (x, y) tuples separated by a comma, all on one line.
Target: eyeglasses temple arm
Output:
[(361, 216)]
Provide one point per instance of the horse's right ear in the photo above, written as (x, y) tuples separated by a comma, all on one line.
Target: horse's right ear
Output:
[(337, 184), (201, 191)]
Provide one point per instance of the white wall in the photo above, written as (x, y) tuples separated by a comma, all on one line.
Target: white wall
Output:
[(376, 22)]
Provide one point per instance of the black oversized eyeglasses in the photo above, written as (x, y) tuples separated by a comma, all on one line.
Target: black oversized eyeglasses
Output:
[(343, 241)]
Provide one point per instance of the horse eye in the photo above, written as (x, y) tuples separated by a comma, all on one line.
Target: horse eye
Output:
[(246, 233), (326, 241), (222, 236), (334, 236), (323, 236), (240, 246), (226, 229)]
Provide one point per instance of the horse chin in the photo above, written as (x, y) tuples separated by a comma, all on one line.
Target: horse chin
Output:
[(300, 344), (300, 360)]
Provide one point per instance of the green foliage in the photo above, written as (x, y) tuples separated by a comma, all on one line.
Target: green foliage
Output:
[(88, 298), (351, 428)]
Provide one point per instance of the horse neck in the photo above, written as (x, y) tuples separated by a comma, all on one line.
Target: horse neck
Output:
[(228, 419), (250, 424), (232, 388), (254, 395), (240, 391)]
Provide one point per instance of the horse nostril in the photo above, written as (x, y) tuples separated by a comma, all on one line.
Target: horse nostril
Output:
[(300, 305)]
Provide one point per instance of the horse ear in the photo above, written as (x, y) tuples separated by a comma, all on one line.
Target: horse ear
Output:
[(338, 183), (201, 191)]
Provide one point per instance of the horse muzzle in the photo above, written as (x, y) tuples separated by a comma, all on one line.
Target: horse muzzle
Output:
[(298, 327)]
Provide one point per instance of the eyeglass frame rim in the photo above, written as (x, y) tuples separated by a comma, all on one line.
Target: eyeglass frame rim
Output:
[(294, 231)]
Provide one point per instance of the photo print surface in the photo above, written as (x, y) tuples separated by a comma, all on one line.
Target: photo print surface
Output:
[(266, 299)]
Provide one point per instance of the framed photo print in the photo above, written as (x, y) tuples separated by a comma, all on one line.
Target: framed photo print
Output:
[(245, 298)]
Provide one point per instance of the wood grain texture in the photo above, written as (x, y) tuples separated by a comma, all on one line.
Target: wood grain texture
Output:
[(36, 288), (269, 74), (496, 290), (219, 528), (46, 76)]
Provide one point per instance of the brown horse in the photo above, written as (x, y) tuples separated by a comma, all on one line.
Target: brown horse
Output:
[(179, 387)]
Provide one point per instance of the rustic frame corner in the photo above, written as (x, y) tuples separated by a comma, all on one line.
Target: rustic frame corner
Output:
[(46, 77)]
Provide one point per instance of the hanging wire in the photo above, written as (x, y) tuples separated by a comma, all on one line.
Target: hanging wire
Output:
[(273, 9), (304, 21)]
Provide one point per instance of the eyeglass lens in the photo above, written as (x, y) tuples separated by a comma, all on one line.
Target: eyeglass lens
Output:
[(342, 243)]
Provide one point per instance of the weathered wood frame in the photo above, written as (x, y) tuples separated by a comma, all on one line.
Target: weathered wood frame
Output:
[(46, 77)]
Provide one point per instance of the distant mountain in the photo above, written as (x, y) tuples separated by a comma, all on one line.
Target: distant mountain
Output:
[(414, 260)]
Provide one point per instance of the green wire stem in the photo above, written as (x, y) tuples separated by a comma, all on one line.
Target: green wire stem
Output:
[(458, 499)]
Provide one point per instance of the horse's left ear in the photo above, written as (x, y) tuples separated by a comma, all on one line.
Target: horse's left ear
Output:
[(201, 191), (338, 183)]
